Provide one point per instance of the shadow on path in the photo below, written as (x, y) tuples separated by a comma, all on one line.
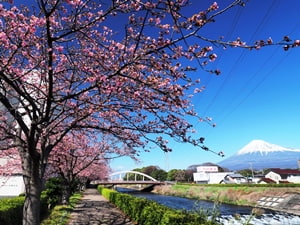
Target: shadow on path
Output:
[(94, 209)]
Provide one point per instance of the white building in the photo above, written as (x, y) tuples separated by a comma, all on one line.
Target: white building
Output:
[(284, 175), (235, 178), (209, 175), (11, 186)]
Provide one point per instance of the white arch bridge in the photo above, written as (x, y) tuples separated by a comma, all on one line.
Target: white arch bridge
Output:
[(130, 177)]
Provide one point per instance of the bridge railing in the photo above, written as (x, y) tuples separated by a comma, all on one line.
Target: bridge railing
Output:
[(127, 176)]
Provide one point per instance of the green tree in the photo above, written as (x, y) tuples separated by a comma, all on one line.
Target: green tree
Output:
[(171, 175), (149, 169), (159, 174)]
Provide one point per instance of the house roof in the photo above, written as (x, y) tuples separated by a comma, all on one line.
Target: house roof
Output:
[(267, 180), (286, 171), (236, 175)]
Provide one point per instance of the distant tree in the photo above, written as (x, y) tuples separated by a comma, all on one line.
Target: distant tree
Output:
[(180, 175), (149, 169), (171, 174), (153, 171), (159, 174), (245, 172), (65, 66), (189, 175)]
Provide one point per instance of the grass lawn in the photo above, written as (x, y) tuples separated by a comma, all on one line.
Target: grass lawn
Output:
[(60, 214)]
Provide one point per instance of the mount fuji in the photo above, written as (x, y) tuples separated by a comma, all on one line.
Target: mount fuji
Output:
[(260, 154)]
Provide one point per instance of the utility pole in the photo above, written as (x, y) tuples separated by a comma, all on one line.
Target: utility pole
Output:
[(251, 170)]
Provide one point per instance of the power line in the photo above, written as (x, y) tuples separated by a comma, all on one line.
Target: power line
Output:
[(264, 78), (241, 57)]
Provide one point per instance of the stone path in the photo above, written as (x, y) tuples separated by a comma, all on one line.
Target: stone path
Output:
[(94, 209)]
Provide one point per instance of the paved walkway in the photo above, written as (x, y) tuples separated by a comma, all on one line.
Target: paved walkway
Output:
[(94, 209)]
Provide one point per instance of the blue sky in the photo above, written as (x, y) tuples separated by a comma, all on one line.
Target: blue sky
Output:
[(257, 96)]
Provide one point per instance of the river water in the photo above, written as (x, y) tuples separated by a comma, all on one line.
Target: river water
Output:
[(229, 214)]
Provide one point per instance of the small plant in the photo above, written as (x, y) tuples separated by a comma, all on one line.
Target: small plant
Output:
[(237, 216), (54, 187), (60, 214), (257, 211)]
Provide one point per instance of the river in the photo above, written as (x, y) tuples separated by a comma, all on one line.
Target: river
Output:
[(228, 213)]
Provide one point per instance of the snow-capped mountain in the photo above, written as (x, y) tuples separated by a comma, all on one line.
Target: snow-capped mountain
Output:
[(260, 154)]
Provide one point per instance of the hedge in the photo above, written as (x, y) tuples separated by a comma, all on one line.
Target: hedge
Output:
[(147, 212), (11, 210)]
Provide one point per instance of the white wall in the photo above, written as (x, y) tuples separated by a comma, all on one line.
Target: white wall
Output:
[(276, 177), (201, 177), (210, 178), (11, 186), (293, 179)]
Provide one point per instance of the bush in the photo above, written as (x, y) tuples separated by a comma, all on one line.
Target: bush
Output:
[(146, 212), (54, 191), (11, 210)]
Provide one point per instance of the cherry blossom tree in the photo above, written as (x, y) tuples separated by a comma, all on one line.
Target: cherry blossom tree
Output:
[(64, 67), (10, 163), (83, 157)]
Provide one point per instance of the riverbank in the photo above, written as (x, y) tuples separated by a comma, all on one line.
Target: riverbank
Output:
[(237, 195)]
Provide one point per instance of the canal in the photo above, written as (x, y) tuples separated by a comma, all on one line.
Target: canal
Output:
[(229, 214)]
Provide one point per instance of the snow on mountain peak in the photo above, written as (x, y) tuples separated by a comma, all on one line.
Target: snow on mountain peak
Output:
[(262, 147)]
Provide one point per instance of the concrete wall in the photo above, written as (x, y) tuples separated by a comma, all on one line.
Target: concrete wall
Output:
[(11, 186)]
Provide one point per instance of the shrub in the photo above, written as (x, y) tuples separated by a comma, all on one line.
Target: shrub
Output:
[(11, 210), (146, 212), (54, 190)]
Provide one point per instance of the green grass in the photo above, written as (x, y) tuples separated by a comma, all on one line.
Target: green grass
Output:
[(60, 214)]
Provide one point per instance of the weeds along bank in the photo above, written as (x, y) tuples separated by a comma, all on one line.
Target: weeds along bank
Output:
[(246, 195)]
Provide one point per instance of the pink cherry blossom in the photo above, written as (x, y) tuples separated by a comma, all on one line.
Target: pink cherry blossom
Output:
[(70, 76)]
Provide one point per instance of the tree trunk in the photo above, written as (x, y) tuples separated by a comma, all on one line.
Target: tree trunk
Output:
[(67, 191), (66, 195), (33, 188)]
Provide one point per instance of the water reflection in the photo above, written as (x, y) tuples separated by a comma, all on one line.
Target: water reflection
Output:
[(190, 204)]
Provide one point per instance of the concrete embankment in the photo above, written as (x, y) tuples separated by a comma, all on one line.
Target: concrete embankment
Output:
[(287, 202)]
